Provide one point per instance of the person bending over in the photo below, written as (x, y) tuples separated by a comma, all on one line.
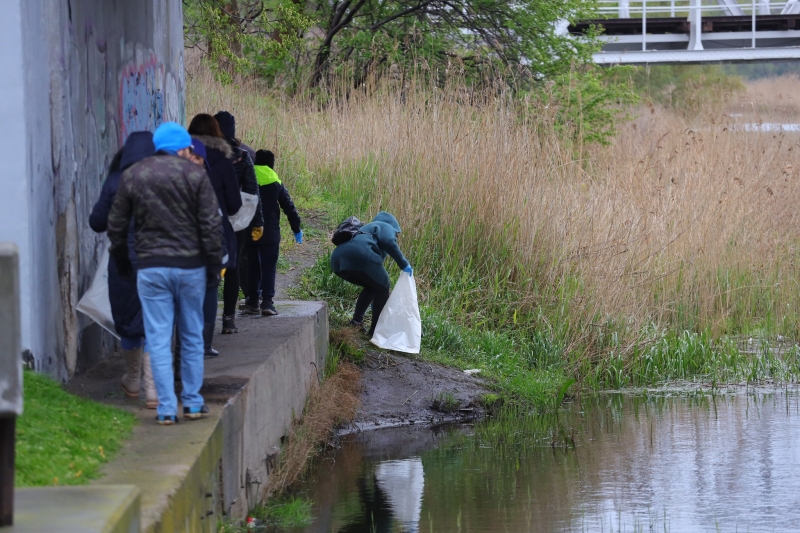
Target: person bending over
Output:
[(360, 262)]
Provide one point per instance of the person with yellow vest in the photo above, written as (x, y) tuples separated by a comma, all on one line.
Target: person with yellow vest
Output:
[(262, 254)]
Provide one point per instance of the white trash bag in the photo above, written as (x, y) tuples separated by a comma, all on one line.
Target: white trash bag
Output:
[(399, 327), (95, 303), (245, 214)]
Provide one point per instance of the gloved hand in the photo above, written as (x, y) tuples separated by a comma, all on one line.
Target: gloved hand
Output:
[(409, 270), (222, 273), (257, 232), (298, 237)]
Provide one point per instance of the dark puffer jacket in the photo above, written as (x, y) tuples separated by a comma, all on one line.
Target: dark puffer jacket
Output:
[(367, 250), (122, 294), (219, 157), (178, 220)]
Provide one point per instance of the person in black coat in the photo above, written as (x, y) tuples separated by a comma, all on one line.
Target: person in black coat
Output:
[(245, 172), (122, 294), (223, 179), (262, 255), (220, 152)]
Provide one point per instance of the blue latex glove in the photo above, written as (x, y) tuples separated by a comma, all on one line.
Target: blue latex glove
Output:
[(409, 270), (298, 237)]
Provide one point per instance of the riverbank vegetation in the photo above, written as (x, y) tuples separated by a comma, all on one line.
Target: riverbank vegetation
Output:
[(541, 260)]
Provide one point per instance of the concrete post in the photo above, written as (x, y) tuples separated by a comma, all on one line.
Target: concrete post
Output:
[(624, 8), (764, 8), (695, 25), (10, 375)]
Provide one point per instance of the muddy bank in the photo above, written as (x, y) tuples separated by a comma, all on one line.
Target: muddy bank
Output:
[(399, 391)]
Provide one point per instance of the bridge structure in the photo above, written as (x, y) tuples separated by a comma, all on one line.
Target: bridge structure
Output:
[(694, 31)]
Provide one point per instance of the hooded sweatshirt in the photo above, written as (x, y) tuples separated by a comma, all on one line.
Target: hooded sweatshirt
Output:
[(368, 249), (138, 146), (274, 197)]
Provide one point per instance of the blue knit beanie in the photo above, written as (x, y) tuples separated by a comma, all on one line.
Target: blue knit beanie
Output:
[(171, 137)]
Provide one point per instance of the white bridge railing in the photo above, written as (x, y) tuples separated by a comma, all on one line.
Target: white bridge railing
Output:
[(694, 10), (683, 8)]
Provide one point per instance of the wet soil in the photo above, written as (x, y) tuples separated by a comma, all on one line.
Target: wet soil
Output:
[(398, 391)]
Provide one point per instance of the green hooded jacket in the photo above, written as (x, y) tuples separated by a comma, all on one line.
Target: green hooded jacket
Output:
[(367, 250)]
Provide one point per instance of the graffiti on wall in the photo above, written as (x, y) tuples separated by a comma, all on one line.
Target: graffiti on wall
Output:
[(141, 96)]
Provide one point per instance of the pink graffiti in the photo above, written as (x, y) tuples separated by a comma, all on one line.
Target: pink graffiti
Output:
[(141, 97)]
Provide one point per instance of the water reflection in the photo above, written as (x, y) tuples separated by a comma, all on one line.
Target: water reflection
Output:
[(668, 463)]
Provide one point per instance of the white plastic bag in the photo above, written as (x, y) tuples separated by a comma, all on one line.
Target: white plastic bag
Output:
[(399, 327), (95, 303), (245, 214)]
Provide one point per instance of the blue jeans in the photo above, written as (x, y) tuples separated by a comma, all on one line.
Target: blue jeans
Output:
[(163, 293)]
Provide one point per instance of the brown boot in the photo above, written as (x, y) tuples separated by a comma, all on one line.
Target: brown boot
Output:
[(133, 369), (150, 394)]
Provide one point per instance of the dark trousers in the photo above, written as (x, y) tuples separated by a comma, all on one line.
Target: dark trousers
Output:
[(210, 303), (230, 292), (373, 293), (262, 262)]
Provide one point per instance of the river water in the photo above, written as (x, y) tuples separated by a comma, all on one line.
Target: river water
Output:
[(680, 461)]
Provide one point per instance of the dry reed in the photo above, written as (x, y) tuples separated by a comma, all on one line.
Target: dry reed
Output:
[(680, 223), (333, 402)]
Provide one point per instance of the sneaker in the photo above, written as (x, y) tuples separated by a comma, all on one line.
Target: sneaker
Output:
[(228, 325), (166, 420), (210, 352), (360, 326), (193, 413), (268, 309), (250, 310)]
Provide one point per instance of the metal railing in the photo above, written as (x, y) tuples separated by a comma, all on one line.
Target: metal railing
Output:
[(683, 8), (694, 10)]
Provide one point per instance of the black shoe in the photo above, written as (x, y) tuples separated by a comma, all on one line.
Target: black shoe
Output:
[(228, 325), (360, 326), (193, 413), (268, 309), (251, 309), (208, 336)]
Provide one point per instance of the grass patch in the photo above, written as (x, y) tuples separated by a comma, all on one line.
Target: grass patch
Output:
[(63, 439)]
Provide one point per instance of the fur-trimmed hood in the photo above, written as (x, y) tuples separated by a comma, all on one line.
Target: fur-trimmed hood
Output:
[(217, 143)]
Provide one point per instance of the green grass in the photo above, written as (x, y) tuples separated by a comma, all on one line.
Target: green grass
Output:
[(63, 439), (280, 513)]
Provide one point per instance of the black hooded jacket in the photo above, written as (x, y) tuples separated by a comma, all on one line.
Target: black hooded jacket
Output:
[(122, 294), (242, 162), (219, 157)]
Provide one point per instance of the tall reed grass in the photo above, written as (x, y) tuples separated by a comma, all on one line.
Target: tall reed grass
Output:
[(683, 225)]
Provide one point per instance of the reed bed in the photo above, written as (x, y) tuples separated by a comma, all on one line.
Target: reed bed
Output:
[(513, 225)]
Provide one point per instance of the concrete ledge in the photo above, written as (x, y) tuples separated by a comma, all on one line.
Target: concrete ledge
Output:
[(108, 509), (192, 474)]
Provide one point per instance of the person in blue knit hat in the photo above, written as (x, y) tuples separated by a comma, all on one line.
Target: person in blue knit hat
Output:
[(179, 245)]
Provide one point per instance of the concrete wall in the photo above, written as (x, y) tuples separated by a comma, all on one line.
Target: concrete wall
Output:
[(78, 76)]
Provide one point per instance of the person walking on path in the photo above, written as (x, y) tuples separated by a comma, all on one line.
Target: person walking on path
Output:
[(122, 294), (360, 262), (262, 255), (219, 141), (223, 180), (179, 244)]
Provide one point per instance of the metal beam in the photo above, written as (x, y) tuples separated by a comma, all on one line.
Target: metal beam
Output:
[(729, 55), (764, 7), (683, 38), (624, 9), (731, 7), (695, 25), (792, 7)]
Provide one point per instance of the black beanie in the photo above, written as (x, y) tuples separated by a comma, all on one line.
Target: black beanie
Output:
[(227, 124), (265, 158)]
